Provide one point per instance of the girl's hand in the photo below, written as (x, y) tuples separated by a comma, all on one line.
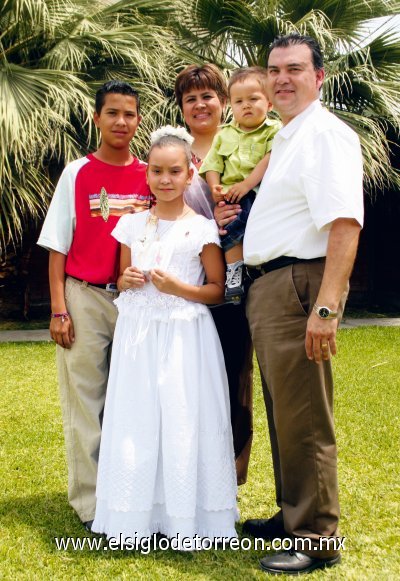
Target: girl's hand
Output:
[(132, 277), (236, 192), (166, 283)]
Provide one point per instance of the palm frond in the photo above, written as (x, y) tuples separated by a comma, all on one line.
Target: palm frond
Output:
[(53, 54), (19, 201), (379, 173), (362, 74)]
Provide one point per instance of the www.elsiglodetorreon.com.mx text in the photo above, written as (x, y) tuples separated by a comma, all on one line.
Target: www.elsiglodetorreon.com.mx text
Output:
[(156, 542)]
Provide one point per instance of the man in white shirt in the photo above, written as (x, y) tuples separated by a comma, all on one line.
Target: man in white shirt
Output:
[(299, 247)]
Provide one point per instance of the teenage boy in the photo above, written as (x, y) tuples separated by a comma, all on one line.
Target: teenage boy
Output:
[(91, 195)]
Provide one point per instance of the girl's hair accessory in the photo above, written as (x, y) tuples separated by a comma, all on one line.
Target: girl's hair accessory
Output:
[(170, 131)]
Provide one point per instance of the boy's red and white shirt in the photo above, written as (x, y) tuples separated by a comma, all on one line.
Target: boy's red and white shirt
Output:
[(89, 199)]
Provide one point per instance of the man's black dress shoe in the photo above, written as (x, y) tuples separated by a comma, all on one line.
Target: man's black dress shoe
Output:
[(295, 563), (88, 525), (262, 528)]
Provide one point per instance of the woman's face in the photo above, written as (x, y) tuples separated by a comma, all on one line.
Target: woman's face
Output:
[(202, 110)]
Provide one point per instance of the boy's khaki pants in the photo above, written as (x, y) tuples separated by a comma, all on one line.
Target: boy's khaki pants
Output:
[(83, 374)]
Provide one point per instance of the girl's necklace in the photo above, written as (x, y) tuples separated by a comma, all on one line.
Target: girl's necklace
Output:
[(153, 253), (155, 221)]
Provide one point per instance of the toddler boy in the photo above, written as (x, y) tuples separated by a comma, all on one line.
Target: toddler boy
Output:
[(237, 149)]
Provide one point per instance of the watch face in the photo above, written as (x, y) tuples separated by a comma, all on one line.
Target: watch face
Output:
[(323, 312)]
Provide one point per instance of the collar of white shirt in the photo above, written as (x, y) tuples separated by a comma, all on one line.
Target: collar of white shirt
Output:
[(287, 131)]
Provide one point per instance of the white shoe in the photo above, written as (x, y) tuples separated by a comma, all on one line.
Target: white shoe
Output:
[(234, 290)]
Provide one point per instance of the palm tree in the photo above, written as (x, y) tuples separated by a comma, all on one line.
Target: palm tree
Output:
[(53, 55), (362, 68)]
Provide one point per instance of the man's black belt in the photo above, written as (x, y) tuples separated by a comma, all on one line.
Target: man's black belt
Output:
[(255, 272)]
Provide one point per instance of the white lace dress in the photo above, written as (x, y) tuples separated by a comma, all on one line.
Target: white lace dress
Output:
[(166, 457)]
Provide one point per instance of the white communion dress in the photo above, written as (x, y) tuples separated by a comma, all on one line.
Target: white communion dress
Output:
[(166, 458)]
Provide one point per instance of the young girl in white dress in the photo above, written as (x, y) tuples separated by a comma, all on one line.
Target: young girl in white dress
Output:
[(166, 458)]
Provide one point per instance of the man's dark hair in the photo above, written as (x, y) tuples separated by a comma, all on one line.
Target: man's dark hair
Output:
[(292, 39), (116, 87)]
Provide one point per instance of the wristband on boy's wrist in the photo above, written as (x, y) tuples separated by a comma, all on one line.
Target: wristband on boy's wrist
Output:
[(61, 316)]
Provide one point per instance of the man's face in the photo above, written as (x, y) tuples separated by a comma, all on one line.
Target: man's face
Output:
[(293, 83)]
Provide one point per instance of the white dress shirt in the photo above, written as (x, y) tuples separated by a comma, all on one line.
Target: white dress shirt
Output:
[(314, 177)]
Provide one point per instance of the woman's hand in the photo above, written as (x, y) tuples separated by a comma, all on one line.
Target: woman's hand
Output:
[(165, 282), (224, 214), (62, 331), (132, 277)]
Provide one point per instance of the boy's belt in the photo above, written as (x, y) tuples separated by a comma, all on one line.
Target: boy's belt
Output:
[(255, 272), (109, 286)]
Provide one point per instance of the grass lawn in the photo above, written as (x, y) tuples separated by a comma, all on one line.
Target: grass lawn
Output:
[(33, 502)]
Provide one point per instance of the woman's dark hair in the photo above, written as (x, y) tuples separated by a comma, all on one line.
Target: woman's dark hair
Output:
[(205, 77)]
